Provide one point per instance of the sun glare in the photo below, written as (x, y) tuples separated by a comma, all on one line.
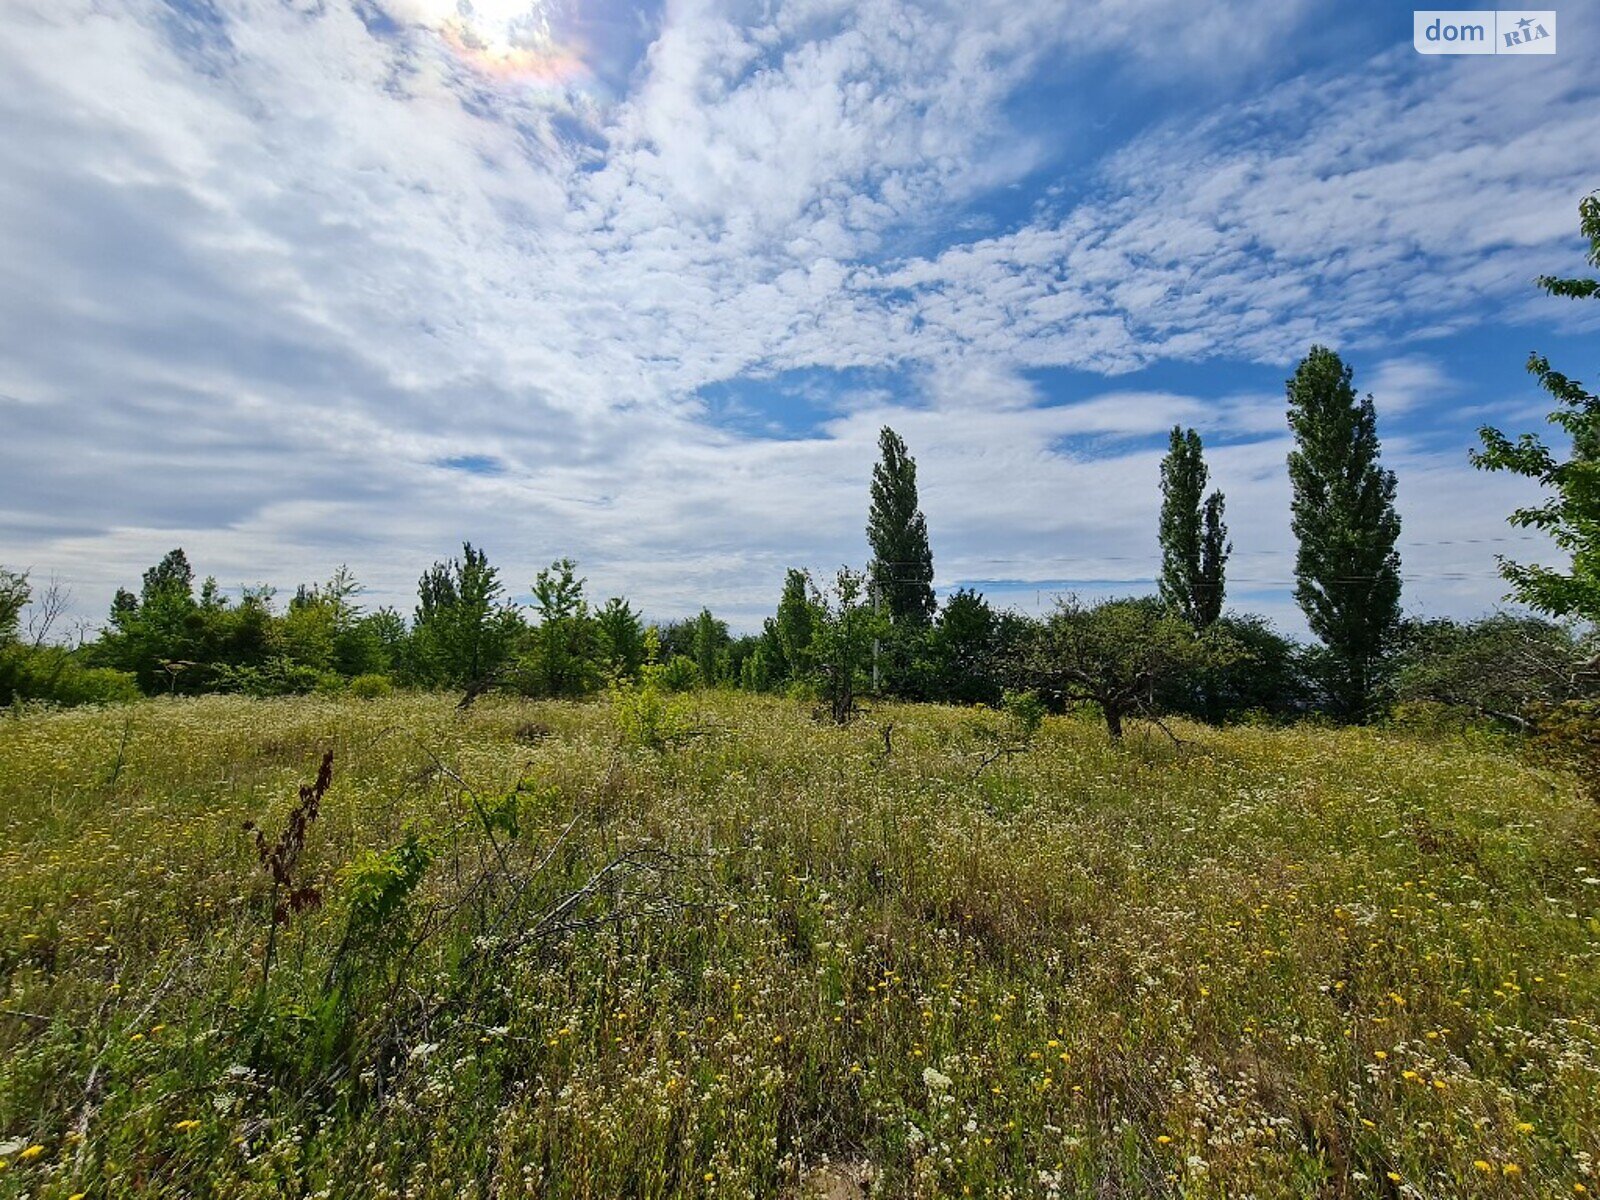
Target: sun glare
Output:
[(512, 39)]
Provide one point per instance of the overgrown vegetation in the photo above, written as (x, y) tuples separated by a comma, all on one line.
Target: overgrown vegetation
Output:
[(995, 955)]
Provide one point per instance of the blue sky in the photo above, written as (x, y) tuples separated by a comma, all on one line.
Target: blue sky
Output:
[(299, 282)]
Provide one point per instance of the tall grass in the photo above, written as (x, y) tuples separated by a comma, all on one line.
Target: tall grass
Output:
[(1265, 962)]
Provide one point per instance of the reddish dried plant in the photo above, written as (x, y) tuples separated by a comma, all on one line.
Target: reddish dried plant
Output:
[(281, 857)]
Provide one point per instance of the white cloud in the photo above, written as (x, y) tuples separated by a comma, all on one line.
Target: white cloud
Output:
[(260, 273)]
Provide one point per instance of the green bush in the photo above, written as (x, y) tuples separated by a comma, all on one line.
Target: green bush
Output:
[(679, 674), (57, 676), (277, 676), (371, 687)]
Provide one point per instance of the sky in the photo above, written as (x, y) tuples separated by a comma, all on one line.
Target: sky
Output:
[(295, 283)]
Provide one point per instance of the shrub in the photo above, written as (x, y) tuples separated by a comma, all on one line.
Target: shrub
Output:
[(371, 687), (57, 676), (646, 714), (679, 673), (277, 676), (1568, 737)]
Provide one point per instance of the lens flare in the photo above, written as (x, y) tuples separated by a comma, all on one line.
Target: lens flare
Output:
[(508, 39)]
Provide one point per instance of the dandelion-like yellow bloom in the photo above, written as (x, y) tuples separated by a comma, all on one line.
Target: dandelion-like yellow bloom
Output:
[(31, 1153)]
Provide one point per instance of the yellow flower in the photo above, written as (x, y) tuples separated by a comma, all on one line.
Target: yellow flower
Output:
[(1525, 1127), (1483, 1166), (1381, 1055), (1164, 1140), (186, 1126), (711, 1176), (1510, 1169), (1394, 1177), (31, 1153)]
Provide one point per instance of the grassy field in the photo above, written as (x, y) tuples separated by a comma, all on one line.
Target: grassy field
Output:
[(775, 959)]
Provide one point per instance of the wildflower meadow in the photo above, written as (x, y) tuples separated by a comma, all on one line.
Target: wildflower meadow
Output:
[(535, 954)]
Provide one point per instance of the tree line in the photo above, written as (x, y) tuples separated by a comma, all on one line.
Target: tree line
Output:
[(882, 630)]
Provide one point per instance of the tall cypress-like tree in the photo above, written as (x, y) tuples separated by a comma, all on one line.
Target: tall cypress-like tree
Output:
[(1194, 539), (902, 561), (1347, 570)]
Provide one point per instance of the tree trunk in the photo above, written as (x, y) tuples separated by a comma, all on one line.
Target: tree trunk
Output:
[(1113, 721)]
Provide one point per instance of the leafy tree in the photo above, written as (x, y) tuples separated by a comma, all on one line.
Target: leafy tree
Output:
[(463, 631), (966, 651), (902, 562), (323, 632), (1571, 515), (791, 632), (172, 576), (1194, 545), (1119, 654), (563, 657), (14, 595), (1502, 667), (676, 640), (758, 671), (710, 647), (840, 654), (620, 634), (172, 641), (1263, 674), (35, 670), (1347, 570)]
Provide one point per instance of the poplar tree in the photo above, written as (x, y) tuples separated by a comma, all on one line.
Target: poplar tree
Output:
[(902, 562), (1194, 539), (1347, 570)]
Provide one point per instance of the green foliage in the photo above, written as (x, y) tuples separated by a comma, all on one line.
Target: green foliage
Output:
[(710, 647), (1500, 667), (967, 650), (1347, 570), (840, 654), (788, 635), (57, 675), (648, 714), (901, 572), (1121, 655), (277, 675), (620, 636), (371, 687), (563, 653), (14, 595), (1024, 713), (172, 641), (1567, 735), (1194, 545), (463, 631), (377, 887), (680, 673), (1571, 514)]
